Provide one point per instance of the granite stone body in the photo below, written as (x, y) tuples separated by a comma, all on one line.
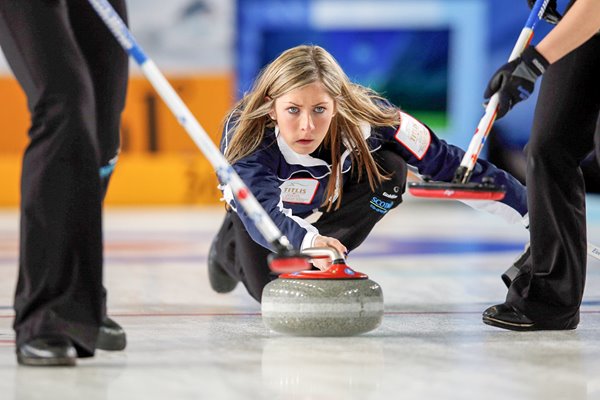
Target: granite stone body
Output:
[(322, 307)]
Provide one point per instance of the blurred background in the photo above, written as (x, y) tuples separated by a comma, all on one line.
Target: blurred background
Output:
[(430, 57)]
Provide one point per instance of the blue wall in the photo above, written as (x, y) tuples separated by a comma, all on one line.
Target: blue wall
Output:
[(483, 33)]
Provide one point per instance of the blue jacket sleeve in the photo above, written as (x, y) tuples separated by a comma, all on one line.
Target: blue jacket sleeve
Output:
[(258, 171), (432, 156)]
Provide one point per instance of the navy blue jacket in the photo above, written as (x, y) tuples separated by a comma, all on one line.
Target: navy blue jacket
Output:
[(291, 186)]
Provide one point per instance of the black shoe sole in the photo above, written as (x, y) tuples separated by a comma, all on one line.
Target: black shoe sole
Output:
[(111, 342), (46, 362), (522, 327), (508, 325)]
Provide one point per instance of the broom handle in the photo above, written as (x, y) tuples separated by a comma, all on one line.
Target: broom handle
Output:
[(226, 173), (463, 172)]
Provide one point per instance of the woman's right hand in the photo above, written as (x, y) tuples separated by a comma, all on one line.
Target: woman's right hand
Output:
[(326, 241)]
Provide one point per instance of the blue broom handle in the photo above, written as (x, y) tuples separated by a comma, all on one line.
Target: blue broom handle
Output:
[(485, 124), (226, 173)]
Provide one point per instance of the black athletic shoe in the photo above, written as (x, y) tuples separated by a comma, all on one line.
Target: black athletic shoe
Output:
[(507, 317), (513, 270), (111, 336), (219, 279), (47, 351)]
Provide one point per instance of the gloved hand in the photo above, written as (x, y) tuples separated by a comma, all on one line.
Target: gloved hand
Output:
[(551, 14), (515, 80)]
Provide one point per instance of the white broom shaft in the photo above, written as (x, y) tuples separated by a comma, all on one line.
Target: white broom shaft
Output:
[(226, 173), (485, 124)]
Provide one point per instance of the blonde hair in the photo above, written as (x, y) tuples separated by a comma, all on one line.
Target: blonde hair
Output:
[(295, 68)]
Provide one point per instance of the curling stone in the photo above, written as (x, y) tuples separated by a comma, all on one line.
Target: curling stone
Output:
[(335, 302)]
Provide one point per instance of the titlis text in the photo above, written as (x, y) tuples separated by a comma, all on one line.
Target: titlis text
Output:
[(289, 190)]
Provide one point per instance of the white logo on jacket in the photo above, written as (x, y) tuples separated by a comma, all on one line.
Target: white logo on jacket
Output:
[(301, 190)]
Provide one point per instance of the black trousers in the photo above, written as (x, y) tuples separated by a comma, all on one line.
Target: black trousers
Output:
[(550, 287), (246, 261), (74, 75)]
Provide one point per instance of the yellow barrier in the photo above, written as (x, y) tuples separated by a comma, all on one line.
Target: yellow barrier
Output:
[(163, 179), (159, 163), (138, 179), (10, 174), (14, 117)]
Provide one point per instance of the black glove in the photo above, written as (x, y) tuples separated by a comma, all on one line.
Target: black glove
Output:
[(551, 14), (515, 80)]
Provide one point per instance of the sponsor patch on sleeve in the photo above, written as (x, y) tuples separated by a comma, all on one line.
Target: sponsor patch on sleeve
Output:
[(413, 135), (299, 191)]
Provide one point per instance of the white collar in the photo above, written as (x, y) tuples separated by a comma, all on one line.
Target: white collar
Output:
[(291, 157)]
